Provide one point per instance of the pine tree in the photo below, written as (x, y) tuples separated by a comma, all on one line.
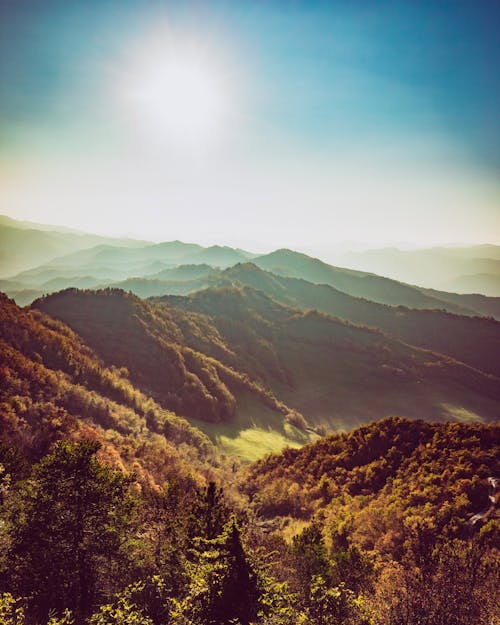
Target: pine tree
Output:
[(225, 588)]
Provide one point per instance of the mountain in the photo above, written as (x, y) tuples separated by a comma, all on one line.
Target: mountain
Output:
[(31, 225), (24, 245), (179, 280), (472, 340), (468, 269), (100, 265), (487, 283), (170, 253), (184, 272), (375, 288), (481, 304), (335, 372), (149, 287), (221, 256), (357, 283), (108, 264), (99, 262)]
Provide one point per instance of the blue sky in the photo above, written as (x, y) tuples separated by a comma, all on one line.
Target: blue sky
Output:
[(367, 122)]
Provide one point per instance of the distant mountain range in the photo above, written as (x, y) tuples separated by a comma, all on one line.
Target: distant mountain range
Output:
[(467, 269), (257, 352), (473, 340), (175, 267), (24, 245)]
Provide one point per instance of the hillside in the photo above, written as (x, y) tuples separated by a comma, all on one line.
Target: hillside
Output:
[(335, 372), (184, 272), (221, 256), (148, 269), (395, 461), (181, 360), (357, 525), (374, 287), (356, 283), (483, 305), (395, 493), (474, 341), (152, 287), (487, 283), (54, 387)]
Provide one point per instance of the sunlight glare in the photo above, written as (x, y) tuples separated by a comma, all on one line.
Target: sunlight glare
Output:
[(178, 94)]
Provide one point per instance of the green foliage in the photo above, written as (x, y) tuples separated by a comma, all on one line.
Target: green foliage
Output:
[(156, 344), (122, 612), (350, 565), (11, 611), (224, 587), (454, 585), (53, 387), (389, 468), (209, 513), (378, 515), (65, 619), (331, 606), (310, 558), (77, 510), (353, 369), (472, 340), (186, 560)]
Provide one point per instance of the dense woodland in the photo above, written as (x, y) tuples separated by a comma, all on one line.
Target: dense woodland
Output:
[(376, 532)]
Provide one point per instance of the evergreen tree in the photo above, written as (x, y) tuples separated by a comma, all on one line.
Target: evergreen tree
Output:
[(238, 595), (209, 513), (225, 588)]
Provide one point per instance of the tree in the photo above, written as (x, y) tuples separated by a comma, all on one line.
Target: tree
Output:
[(124, 611), (71, 520), (225, 587), (350, 565), (310, 558), (332, 606), (456, 585), (209, 513)]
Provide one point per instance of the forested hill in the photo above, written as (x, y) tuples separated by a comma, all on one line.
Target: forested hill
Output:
[(357, 283), (473, 340), (54, 387), (208, 355), (390, 470), (387, 508), (337, 372), (176, 356)]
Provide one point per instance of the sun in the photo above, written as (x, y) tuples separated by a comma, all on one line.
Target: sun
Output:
[(182, 98), (179, 94)]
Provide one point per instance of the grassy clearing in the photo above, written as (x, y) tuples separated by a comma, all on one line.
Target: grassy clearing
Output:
[(459, 413), (254, 432)]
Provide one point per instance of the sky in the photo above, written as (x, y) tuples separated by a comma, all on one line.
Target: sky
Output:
[(312, 125)]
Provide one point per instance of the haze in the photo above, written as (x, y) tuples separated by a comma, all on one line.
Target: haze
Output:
[(310, 125)]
